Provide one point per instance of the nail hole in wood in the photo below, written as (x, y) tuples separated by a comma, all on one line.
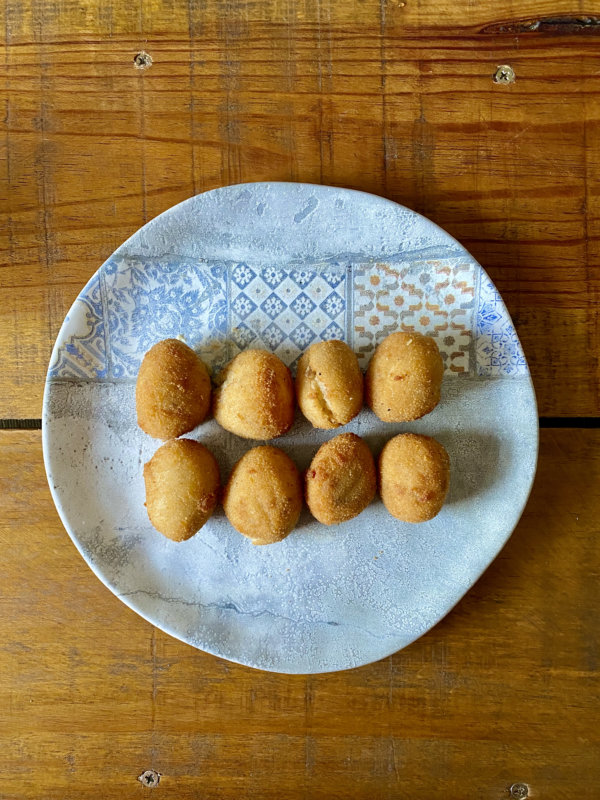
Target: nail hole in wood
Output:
[(519, 791), (149, 778), (504, 74), (142, 60)]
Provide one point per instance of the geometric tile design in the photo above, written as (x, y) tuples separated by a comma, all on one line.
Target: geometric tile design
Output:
[(223, 308), (498, 348), (433, 297), (285, 310)]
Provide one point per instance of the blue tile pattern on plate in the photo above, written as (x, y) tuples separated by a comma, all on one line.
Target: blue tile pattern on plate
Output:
[(285, 310), (147, 301), (130, 305), (243, 336), (499, 351), (83, 355), (272, 306)]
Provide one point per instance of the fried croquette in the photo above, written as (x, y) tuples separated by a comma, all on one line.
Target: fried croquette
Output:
[(173, 390), (414, 475), (329, 384), (255, 396), (341, 480), (182, 488), (263, 497), (404, 377)]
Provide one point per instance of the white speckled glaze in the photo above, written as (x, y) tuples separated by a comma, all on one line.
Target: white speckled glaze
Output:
[(279, 266)]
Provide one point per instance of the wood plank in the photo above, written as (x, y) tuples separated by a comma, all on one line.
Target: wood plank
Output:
[(505, 689), (395, 98)]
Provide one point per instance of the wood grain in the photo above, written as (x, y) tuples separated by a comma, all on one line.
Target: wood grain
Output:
[(392, 97), (505, 689)]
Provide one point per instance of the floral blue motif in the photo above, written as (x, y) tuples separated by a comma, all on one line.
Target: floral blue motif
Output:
[(243, 305), (334, 277), (272, 276), (302, 336), (333, 305), (242, 336), (83, 355), (273, 336), (272, 306), (242, 275), (153, 300), (332, 332), (303, 305), (217, 315), (302, 277), (498, 349)]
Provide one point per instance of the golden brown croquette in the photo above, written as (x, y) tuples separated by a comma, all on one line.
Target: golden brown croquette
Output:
[(182, 488), (341, 480), (172, 392), (255, 396), (414, 475), (263, 497), (404, 377), (329, 384)]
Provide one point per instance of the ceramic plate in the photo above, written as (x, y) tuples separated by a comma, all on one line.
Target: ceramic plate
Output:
[(278, 266)]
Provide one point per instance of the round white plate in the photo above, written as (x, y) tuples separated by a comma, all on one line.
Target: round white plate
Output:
[(278, 266)]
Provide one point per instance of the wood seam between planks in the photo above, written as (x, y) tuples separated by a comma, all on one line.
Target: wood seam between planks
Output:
[(545, 422)]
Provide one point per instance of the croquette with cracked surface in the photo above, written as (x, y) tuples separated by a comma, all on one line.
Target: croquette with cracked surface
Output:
[(329, 384)]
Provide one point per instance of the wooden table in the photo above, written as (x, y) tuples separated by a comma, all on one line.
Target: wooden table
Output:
[(397, 98)]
